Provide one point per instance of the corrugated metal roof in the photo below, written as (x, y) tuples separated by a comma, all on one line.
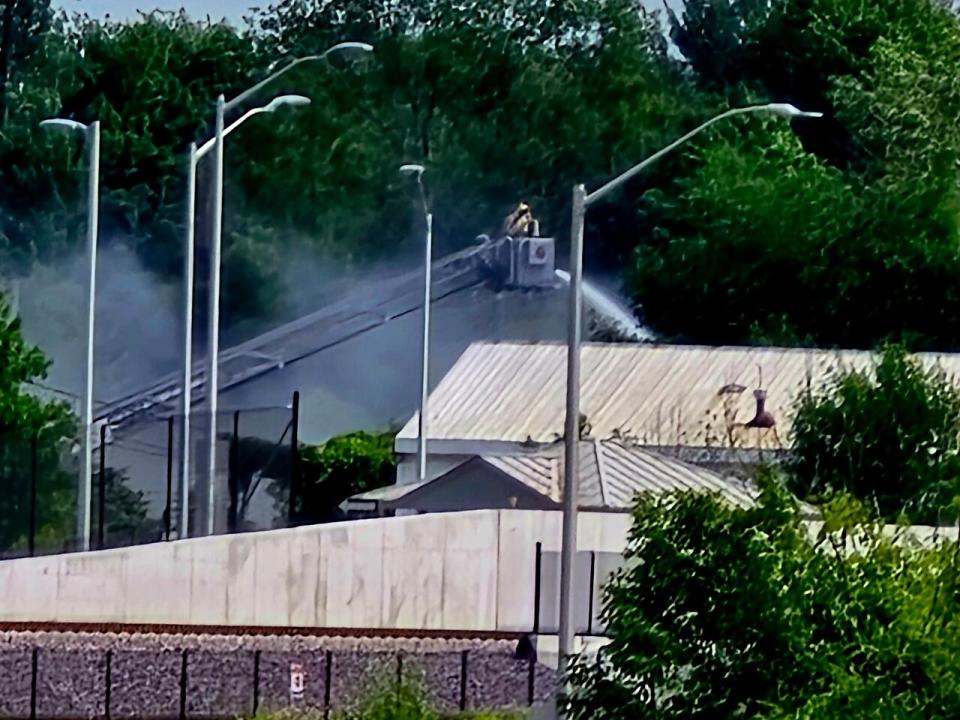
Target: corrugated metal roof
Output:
[(652, 395), (612, 474), (538, 472), (628, 471), (390, 492)]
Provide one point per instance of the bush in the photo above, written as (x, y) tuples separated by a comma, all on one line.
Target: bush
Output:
[(332, 472), (389, 701), (728, 612), (890, 437)]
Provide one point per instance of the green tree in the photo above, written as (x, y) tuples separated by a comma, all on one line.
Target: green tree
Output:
[(846, 235), (502, 100), (889, 435), (332, 472), (23, 25), (125, 512), (152, 84), (28, 424), (728, 612)]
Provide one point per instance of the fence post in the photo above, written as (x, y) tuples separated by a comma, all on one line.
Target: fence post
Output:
[(256, 682), (102, 500), (463, 680), (107, 683), (168, 511), (33, 684), (531, 680), (32, 520), (294, 459), (232, 480), (593, 574), (327, 681), (183, 685), (537, 575)]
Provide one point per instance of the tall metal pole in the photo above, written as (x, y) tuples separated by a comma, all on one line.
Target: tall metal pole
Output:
[(425, 356), (187, 391), (213, 349), (86, 464), (571, 432), (581, 200)]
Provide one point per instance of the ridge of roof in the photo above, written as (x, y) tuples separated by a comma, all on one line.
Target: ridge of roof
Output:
[(660, 395)]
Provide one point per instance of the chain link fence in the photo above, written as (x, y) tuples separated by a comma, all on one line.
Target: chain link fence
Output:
[(137, 486)]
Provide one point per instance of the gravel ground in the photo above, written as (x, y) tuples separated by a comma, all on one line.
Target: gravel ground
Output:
[(144, 675), (82, 640)]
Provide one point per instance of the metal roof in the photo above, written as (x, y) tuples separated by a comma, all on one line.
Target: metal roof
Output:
[(389, 493), (660, 396), (612, 474)]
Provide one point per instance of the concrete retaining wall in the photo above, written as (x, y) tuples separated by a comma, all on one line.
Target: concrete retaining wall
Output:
[(455, 571)]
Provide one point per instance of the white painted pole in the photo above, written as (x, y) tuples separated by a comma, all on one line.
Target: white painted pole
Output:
[(187, 390), (425, 356), (93, 219), (213, 349), (571, 433)]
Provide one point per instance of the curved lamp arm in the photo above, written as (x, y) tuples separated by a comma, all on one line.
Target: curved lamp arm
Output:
[(783, 110), (277, 102), (358, 47), (417, 171)]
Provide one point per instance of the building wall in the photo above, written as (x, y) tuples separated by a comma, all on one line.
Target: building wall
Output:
[(464, 571)]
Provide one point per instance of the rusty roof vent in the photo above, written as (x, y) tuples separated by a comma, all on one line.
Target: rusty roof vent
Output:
[(763, 418)]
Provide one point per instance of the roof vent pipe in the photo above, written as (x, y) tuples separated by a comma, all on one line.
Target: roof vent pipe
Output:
[(763, 418)]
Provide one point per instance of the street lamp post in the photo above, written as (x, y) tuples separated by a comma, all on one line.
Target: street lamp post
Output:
[(213, 310), (187, 390), (582, 200), (91, 134), (417, 171), (195, 154)]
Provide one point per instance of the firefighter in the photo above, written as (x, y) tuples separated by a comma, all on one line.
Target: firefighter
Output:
[(520, 223)]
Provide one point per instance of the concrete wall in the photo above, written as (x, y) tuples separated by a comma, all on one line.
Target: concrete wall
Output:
[(464, 571)]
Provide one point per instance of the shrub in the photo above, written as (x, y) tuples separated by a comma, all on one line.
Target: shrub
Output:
[(890, 437), (729, 612)]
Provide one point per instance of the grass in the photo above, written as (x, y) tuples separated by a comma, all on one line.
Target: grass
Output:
[(390, 702)]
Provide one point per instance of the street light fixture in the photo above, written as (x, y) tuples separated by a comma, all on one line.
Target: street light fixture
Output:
[(91, 135), (417, 171), (345, 49), (213, 310), (194, 156), (581, 201)]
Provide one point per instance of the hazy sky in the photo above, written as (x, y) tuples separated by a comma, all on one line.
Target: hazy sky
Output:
[(233, 10)]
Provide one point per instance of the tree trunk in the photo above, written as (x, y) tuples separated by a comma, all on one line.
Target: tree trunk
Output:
[(7, 39)]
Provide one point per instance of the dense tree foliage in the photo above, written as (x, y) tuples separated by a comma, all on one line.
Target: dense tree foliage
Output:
[(37, 439), (29, 425), (125, 512), (843, 235), (726, 612), (501, 100), (889, 435), (839, 231), (330, 473)]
